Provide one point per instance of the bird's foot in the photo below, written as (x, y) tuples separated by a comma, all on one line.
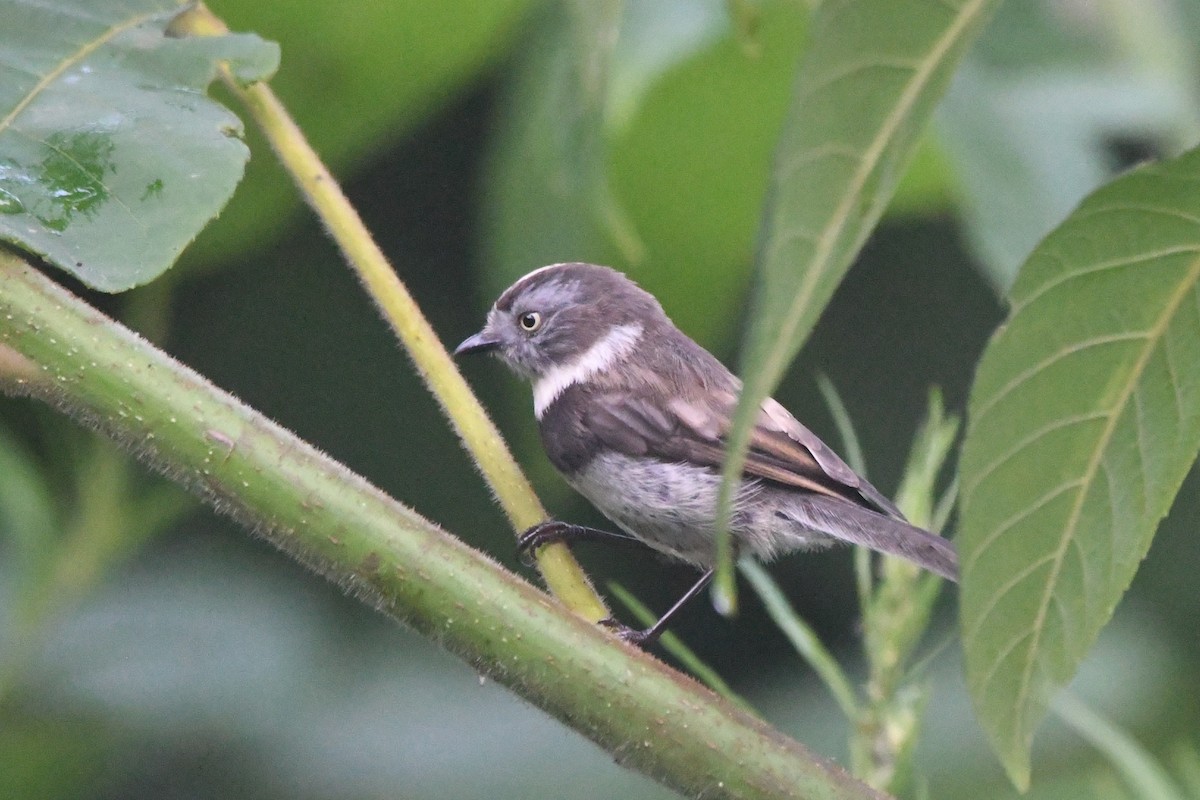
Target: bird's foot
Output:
[(543, 533), (628, 634)]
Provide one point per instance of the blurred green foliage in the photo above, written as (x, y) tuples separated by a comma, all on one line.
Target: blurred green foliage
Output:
[(200, 664)]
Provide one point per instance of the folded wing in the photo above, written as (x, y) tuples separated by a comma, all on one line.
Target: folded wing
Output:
[(696, 430)]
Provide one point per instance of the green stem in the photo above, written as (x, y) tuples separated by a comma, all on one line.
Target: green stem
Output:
[(563, 575), (650, 717), (894, 620), (1142, 773), (802, 637)]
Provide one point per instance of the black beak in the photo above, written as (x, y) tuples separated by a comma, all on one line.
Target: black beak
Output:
[(478, 343)]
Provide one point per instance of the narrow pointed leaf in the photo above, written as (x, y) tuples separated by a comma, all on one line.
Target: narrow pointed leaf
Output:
[(866, 89), (111, 157), (1084, 420)]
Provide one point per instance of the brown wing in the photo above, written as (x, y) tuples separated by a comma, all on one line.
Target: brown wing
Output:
[(781, 449), (778, 432)]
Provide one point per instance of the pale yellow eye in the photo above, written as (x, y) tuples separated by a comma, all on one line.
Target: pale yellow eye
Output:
[(530, 321)]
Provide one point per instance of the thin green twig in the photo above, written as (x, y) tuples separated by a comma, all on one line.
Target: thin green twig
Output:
[(1140, 771), (854, 457), (802, 637), (478, 434)]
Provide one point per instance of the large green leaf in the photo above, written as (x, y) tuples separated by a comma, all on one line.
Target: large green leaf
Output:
[(111, 157), (867, 85), (1084, 420)]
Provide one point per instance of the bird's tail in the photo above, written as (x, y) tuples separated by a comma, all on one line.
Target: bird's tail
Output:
[(852, 523)]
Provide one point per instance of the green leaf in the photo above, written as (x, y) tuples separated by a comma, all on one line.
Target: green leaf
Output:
[(111, 158), (692, 164), (548, 197), (1085, 418), (867, 85)]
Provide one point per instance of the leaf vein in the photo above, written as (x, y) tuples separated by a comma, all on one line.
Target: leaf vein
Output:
[(1124, 208), (1001, 654), (1139, 422), (1117, 263), (1173, 372), (996, 532), (84, 50), (831, 150), (852, 69), (1111, 481), (999, 460), (993, 602), (1072, 349)]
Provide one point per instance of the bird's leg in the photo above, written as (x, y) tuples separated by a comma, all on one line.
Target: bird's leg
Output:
[(554, 531), (650, 635)]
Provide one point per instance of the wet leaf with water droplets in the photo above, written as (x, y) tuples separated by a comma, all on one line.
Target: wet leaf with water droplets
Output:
[(111, 157)]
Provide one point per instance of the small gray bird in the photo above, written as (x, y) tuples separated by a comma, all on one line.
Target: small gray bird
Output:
[(635, 416)]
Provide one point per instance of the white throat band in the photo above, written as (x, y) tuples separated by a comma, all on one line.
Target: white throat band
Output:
[(614, 345)]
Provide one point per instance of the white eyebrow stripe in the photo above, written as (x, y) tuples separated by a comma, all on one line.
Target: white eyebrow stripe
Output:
[(614, 345), (540, 270)]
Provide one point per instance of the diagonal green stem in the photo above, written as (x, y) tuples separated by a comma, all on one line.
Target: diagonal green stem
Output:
[(1142, 773), (479, 436)]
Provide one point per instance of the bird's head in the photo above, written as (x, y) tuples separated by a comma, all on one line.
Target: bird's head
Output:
[(558, 317)]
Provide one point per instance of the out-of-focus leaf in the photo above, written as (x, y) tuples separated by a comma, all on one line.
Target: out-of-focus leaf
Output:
[(1032, 121), (548, 198), (868, 83), (111, 157), (53, 759), (654, 38), (1084, 420), (691, 166), (1187, 763), (356, 78)]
